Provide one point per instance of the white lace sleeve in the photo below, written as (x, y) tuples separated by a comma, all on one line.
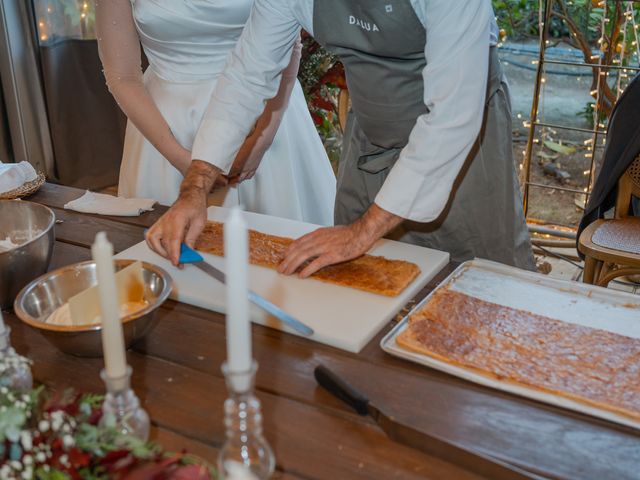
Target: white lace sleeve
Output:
[(119, 49)]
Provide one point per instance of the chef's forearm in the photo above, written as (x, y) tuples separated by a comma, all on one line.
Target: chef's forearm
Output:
[(199, 178), (377, 222)]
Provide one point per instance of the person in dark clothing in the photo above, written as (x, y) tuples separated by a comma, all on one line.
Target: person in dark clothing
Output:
[(622, 147)]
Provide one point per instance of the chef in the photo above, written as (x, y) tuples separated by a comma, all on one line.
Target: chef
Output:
[(427, 156)]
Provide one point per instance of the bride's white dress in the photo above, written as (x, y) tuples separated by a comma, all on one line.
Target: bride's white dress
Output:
[(186, 43)]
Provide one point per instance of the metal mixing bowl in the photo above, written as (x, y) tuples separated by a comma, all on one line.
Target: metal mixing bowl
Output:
[(48, 292), (30, 225)]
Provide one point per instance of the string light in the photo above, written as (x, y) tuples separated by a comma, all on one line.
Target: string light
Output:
[(596, 108), (53, 21), (620, 49)]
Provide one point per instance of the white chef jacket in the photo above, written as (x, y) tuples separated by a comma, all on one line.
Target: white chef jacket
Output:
[(455, 81)]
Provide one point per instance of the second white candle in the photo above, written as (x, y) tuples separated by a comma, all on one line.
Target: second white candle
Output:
[(236, 250)]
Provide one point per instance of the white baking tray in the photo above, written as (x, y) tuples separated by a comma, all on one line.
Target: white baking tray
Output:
[(571, 302)]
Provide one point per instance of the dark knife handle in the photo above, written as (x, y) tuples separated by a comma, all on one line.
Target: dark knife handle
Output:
[(341, 389)]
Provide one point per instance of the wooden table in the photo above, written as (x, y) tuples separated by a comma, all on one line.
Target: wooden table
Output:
[(177, 376)]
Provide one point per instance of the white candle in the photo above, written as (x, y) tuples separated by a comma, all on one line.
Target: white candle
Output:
[(112, 339), (236, 250)]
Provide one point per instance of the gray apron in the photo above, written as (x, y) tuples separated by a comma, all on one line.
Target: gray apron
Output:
[(381, 44)]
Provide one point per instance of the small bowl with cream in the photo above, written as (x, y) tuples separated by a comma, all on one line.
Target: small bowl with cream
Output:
[(26, 245), (47, 303)]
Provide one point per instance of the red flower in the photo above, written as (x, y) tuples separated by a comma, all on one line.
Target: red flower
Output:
[(65, 400), (321, 102), (117, 460), (94, 418), (317, 119), (78, 458), (56, 445), (335, 76)]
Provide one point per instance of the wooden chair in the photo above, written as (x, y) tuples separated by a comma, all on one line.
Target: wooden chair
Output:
[(612, 247)]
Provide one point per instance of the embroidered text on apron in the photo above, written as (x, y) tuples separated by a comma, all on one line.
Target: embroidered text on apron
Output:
[(381, 44)]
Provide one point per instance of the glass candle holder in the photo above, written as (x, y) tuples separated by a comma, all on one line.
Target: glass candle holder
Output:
[(15, 372), (245, 454), (121, 408)]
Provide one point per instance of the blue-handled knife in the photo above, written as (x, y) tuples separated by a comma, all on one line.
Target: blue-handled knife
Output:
[(190, 256)]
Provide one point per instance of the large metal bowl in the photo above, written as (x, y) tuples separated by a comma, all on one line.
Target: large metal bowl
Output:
[(30, 225), (48, 292)]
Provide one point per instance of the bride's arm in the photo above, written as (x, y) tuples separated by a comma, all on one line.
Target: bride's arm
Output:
[(119, 49), (256, 144)]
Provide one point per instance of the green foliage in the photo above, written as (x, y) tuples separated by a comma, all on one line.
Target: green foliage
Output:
[(517, 18), (52, 474)]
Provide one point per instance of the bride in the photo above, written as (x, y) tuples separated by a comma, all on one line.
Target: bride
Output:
[(186, 43)]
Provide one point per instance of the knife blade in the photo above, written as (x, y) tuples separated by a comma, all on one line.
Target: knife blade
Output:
[(433, 445), (190, 256)]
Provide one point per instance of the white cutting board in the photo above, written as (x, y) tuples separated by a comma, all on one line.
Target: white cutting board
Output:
[(342, 317)]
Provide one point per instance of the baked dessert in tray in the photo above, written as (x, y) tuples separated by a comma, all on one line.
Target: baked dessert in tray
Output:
[(370, 273), (588, 365)]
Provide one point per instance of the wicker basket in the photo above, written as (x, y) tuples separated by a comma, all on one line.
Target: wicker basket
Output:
[(25, 190)]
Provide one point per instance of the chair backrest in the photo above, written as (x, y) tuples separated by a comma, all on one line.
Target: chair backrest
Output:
[(628, 185)]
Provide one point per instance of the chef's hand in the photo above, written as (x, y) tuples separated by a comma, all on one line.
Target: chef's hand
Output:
[(182, 162), (327, 246), (184, 221)]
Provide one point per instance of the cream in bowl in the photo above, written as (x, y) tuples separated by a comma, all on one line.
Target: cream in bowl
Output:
[(62, 315)]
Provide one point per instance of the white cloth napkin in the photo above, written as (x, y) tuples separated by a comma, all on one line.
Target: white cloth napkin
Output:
[(14, 175), (103, 204)]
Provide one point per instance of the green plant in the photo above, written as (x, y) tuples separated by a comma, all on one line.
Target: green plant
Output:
[(517, 18)]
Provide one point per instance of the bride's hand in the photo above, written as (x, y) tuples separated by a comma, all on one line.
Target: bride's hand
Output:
[(249, 157), (221, 181), (259, 140)]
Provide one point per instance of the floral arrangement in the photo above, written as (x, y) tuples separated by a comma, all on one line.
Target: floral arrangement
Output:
[(322, 77), (60, 437)]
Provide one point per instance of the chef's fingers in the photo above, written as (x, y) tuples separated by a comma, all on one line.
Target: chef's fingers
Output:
[(297, 256), (303, 242), (175, 238), (320, 262), (193, 231), (153, 238)]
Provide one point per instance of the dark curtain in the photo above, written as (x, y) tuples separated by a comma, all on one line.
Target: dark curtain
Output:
[(87, 127), (6, 154)]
